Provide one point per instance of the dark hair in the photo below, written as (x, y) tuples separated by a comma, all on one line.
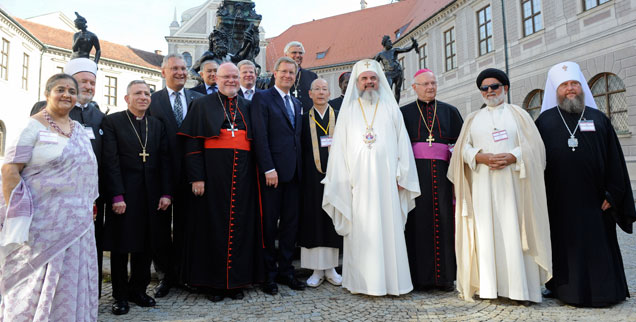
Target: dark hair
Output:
[(55, 79)]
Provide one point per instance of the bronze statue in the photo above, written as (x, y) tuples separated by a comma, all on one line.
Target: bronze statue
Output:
[(392, 68), (84, 41)]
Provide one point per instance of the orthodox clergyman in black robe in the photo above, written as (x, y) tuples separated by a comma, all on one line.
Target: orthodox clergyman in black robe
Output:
[(137, 178), (588, 192), (224, 247), (430, 227), (317, 236)]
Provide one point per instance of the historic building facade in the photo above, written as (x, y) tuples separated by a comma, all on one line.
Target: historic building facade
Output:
[(31, 52)]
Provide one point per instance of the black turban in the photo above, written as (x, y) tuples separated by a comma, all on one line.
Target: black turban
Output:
[(493, 73)]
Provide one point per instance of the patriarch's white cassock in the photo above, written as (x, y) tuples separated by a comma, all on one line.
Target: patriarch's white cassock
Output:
[(361, 190)]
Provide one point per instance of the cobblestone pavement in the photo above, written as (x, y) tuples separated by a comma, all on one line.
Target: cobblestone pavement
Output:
[(328, 302)]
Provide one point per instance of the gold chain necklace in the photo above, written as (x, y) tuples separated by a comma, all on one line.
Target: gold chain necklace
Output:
[(369, 136), (430, 138), (143, 153)]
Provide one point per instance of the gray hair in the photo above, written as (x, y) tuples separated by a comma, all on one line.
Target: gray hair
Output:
[(294, 44), (135, 82), (286, 59), (51, 82), (167, 57), (245, 62), (208, 61)]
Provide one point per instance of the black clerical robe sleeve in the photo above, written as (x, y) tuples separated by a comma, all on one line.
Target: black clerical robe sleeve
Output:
[(113, 180), (618, 191), (194, 159)]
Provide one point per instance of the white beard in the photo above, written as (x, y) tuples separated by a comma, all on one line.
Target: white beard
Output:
[(370, 96), (496, 101)]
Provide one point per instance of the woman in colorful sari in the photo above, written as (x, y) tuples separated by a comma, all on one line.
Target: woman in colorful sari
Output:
[(48, 261)]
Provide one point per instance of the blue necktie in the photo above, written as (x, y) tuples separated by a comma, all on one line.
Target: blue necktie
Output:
[(290, 111)]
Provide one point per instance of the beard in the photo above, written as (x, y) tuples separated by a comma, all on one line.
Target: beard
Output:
[(495, 101), (369, 95), (575, 105), (84, 97)]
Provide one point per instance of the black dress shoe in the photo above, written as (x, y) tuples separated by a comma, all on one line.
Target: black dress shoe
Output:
[(120, 307), (548, 294), (236, 294), (445, 288), (215, 297), (142, 299), (162, 289), (270, 288), (292, 282)]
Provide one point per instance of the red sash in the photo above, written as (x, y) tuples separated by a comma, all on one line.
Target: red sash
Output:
[(226, 141)]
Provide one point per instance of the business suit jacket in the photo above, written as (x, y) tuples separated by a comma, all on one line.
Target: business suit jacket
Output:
[(161, 108), (276, 142)]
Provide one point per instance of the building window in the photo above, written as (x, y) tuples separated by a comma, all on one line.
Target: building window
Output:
[(321, 55), (400, 31), (152, 88), (401, 60), (532, 103), (609, 94), (3, 132), (531, 16), (484, 27), (449, 49), (589, 4), (111, 91), (25, 72), (422, 55), (4, 60)]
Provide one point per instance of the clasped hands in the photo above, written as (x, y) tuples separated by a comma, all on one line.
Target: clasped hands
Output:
[(495, 161)]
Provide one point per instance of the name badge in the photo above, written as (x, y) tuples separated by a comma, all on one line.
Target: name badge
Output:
[(89, 132), (47, 137), (500, 135), (325, 141), (587, 126)]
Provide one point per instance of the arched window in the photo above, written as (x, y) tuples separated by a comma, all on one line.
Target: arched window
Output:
[(609, 93), (3, 138), (188, 59), (532, 103)]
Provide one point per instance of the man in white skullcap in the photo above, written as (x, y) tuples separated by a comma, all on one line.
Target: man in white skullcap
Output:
[(371, 185), (588, 192), (502, 238)]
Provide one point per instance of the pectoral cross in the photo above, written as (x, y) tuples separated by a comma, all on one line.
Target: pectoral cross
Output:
[(232, 130), (430, 140), (143, 155), (296, 93)]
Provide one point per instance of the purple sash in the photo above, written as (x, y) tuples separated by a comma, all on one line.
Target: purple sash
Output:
[(438, 151)]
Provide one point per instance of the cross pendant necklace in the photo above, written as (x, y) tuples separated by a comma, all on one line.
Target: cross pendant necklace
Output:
[(573, 142), (430, 138), (233, 121), (296, 83), (143, 153)]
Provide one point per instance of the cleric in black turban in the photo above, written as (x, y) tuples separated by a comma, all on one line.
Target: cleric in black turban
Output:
[(493, 73)]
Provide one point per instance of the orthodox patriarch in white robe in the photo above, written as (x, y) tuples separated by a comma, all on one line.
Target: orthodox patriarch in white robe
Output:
[(371, 185), (502, 235)]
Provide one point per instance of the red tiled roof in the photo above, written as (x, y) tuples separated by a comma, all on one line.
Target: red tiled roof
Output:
[(355, 35), (64, 39)]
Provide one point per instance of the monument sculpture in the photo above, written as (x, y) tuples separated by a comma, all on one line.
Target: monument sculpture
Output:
[(392, 68), (84, 41)]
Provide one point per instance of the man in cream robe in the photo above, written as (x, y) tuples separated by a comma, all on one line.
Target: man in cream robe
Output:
[(371, 185), (502, 238)]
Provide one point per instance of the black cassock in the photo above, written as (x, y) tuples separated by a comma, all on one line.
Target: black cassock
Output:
[(224, 248), (336, 102), (141, 183), (315, 227), (430, 227), (586, 259)]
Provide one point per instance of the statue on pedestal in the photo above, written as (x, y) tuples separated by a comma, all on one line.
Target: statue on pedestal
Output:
[(392, 68), (84, 41)]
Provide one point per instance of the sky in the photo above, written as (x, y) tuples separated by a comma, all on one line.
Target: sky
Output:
[(144, 24)]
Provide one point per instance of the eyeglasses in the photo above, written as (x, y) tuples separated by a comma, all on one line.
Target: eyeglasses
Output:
[(226, 77), (494, 87), (426, 84)]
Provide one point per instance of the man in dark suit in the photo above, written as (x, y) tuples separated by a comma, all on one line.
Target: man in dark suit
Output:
[(247, 79), (276, 118), (170, 105), (302, 83), (208, 71)]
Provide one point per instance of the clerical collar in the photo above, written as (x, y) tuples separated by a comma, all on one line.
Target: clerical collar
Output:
[(135, 116), (425, 102), (322, 115), (225, 97)]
